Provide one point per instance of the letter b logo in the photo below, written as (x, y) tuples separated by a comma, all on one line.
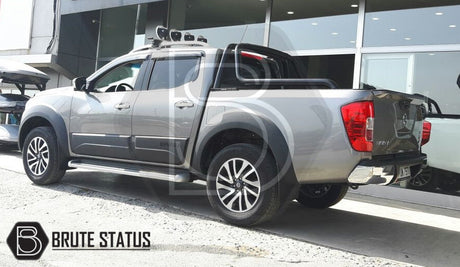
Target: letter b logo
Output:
[(27, 240)]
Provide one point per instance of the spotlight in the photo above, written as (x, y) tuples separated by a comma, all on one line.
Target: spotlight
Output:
[(175, 35), (202, 39), (189, 37), (162, 32)]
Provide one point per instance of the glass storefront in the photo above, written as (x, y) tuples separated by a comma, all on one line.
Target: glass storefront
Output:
[(349, 41), (221, 22), (414, 22), (431, 74), (411, 46), (313, 24), (78, 39), (89, 40), (121, 29), (338, 68)]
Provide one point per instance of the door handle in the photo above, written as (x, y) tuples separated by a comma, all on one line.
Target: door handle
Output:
[(122, 106), (184, 104)]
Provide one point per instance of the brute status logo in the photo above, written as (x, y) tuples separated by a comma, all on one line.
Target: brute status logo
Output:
[(27, 240)]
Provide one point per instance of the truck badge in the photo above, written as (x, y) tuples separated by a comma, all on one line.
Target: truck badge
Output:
[(404, 119)]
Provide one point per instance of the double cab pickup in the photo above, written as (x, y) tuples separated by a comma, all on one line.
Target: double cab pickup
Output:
[(245, 119)]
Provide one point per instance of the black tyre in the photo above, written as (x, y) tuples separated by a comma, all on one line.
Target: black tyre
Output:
[(426, 180), (242, 185), (41, 156), (321, 196)]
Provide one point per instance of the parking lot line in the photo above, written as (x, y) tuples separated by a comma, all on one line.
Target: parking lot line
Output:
[(405, 215)]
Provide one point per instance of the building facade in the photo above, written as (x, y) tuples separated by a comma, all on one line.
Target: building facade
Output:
[(29, 35), (405, 45)]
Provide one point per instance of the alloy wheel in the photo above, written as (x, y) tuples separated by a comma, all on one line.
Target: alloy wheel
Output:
[(238, 185), (37, 156), (422, 179)]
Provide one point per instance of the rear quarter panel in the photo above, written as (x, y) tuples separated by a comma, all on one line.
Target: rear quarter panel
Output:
[(310, 121)]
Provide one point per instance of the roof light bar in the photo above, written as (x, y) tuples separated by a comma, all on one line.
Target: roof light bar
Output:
[(175, 35), (202, 39), (189, 37), (162, 32)]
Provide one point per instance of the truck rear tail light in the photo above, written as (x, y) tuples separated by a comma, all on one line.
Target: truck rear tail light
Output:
[(358, 118), (426, 132)]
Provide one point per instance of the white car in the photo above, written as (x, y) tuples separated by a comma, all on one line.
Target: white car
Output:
[(443, 152)]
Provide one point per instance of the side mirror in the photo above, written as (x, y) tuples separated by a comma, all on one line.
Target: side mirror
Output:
[(458, 81), (79, 84)]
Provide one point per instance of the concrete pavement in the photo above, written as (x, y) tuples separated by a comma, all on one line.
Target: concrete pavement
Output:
[(374, 227)]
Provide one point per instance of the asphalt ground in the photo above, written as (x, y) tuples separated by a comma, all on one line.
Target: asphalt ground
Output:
[(359, 231)]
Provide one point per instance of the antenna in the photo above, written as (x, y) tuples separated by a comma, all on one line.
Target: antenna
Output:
[(244, 33)]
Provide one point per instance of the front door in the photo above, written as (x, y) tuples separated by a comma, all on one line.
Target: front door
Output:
[(100, 121)]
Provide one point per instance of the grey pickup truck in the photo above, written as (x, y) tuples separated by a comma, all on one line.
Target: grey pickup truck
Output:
[(244, 119)]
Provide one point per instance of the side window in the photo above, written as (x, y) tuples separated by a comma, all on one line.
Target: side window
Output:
[(121, 78), (173, 72), (255, 65)]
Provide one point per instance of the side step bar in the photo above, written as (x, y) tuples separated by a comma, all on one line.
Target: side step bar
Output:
[(158, 173)]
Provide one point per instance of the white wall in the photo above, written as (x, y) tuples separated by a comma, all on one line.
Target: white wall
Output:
[(26, 26), (15, 24)]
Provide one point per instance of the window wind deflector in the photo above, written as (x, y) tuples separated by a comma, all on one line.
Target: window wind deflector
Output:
[(181, 54)]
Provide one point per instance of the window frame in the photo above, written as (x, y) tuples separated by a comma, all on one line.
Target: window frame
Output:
[(153, 62), (97, 79), (143, 58)]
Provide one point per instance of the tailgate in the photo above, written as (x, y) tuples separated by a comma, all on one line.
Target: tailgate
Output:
[(398, 122)]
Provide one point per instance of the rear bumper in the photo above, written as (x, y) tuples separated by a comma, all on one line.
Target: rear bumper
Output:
[(387, 169), (9, 133)]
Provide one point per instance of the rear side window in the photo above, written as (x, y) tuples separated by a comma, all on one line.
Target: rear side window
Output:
[(258, 66), (173, 72), (255, 65)]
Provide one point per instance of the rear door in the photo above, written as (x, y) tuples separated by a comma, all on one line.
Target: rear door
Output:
[(164, 115)]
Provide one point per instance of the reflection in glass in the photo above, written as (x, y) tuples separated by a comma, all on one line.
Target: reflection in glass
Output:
[(417, 22), (221, 22), (338, 68), (141, 19), (185, 70), (431, 74), (122, 29), (220, 37), (117, 31), (316, 24), (126, 73)]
